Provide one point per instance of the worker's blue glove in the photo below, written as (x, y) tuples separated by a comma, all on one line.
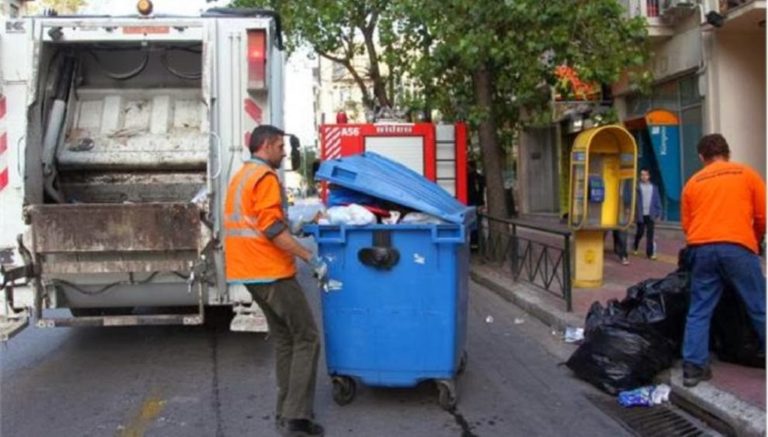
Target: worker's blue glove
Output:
[(319, 268)]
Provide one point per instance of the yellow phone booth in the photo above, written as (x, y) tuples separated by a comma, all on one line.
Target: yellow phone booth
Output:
[(602, 195)]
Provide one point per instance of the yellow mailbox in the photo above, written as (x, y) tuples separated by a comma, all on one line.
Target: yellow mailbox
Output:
[(602, 195)]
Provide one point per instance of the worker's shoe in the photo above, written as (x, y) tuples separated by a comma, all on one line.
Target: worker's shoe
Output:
[(625, 260), (693, 374), (301, 428)]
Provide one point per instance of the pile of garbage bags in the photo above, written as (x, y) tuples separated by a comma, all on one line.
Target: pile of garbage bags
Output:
[(627, 342)]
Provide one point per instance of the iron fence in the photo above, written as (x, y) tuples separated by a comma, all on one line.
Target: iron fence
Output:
[(535, 254)]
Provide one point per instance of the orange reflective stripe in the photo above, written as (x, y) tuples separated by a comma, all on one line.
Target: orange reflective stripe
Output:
[(247, 232), (238, 201)]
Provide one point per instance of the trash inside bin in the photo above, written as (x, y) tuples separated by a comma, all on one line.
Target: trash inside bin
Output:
[(398, 313)]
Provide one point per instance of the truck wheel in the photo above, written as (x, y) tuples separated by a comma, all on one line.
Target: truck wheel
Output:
[(344, 389), (446, 394)]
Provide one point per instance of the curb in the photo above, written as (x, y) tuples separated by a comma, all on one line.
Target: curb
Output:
[(745, 419)]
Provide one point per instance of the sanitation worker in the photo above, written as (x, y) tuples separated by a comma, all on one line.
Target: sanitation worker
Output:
[(260, 253), (724, 221)]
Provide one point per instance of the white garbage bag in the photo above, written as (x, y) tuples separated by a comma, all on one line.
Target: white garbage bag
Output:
[(352, 214)]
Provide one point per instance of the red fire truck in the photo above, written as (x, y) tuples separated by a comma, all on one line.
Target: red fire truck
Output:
[(436, 151)]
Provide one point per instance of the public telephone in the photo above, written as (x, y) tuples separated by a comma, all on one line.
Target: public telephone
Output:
[(603, 178), (596, 189)]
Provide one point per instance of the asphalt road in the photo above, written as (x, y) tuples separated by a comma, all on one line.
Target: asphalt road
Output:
[(207, 381)]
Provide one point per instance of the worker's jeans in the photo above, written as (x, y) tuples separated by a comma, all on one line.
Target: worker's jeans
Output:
[(297, 345), (715, 266)]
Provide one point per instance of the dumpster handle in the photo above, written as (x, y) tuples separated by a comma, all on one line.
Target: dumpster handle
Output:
[(449, 235), (331, 234)]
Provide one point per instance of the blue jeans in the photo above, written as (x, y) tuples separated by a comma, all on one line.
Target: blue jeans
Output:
[(713, 267)]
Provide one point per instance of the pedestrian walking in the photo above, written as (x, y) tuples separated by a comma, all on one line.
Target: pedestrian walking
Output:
[(648, 210), (259, 253), (723, 217)]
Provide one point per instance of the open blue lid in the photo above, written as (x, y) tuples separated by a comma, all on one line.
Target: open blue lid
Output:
[(380, 177)]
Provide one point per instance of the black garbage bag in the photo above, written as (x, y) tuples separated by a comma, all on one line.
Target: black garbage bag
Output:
[(599, 315), (662, 304), (620, 355), (659, 304), (732, 337)]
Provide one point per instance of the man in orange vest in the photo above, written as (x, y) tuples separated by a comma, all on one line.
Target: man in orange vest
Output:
[(259, 253), (724, 222)]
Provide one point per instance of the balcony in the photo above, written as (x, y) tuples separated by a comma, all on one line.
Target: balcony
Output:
[(743, 15), (659, 28)]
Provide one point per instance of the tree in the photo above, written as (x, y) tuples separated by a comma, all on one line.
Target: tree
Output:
[(490, 62), (493, 62), (340, 31)]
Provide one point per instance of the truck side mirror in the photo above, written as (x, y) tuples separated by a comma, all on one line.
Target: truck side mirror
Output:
[(295, 153)]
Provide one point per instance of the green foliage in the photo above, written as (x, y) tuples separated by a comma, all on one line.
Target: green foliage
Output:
[(342, 30), (520, 42)]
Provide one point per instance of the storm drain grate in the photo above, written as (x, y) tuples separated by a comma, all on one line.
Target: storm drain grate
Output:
[(656, 421)]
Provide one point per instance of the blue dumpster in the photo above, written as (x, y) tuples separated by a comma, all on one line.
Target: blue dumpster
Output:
[(395, 306)]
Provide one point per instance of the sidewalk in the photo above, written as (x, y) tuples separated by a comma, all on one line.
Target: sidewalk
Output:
[(735, 395)]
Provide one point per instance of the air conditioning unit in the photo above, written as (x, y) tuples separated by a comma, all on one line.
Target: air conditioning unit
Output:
[(676, 9)]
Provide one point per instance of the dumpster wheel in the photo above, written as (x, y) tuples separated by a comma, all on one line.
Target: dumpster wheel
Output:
[(344, 389), (447, 398)]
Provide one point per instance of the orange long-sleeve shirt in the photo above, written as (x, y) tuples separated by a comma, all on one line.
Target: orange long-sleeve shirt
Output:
[(724, 202)]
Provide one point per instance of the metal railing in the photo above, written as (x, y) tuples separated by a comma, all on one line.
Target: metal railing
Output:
[(544, 261)]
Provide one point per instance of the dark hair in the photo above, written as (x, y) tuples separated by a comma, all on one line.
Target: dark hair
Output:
[(261, 134), (645, 169), (713, 145)]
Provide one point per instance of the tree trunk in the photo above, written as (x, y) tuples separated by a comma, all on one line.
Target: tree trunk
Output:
[(493, 155), (379, 85)]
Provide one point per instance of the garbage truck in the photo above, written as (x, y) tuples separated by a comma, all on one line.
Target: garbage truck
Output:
[(119, 136)]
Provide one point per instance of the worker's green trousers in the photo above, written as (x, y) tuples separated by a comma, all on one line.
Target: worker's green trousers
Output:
[(297, 345)]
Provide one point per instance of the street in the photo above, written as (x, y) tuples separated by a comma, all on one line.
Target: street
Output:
[(207, 381)]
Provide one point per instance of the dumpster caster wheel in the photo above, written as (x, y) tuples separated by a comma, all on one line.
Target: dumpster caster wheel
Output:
[(446, 394), (462, 363), (344, 389)]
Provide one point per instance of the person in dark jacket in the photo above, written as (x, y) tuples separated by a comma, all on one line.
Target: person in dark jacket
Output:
[(475, 195), (647, 211)]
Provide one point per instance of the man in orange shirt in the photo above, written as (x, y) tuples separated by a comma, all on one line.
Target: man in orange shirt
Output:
[(259, 253), (724, 222)]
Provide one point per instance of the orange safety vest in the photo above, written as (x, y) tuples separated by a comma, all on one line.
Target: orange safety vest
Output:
[(249, 256)]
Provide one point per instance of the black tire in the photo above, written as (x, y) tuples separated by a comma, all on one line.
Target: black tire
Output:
[(446, 396), (344, 390)]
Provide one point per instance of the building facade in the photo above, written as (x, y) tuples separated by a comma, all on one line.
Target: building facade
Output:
[(708, 62)]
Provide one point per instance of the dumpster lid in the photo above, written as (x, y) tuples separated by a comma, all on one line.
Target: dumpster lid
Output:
[(380, 177)]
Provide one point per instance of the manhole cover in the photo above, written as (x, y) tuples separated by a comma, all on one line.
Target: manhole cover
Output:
[(656, 421)]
